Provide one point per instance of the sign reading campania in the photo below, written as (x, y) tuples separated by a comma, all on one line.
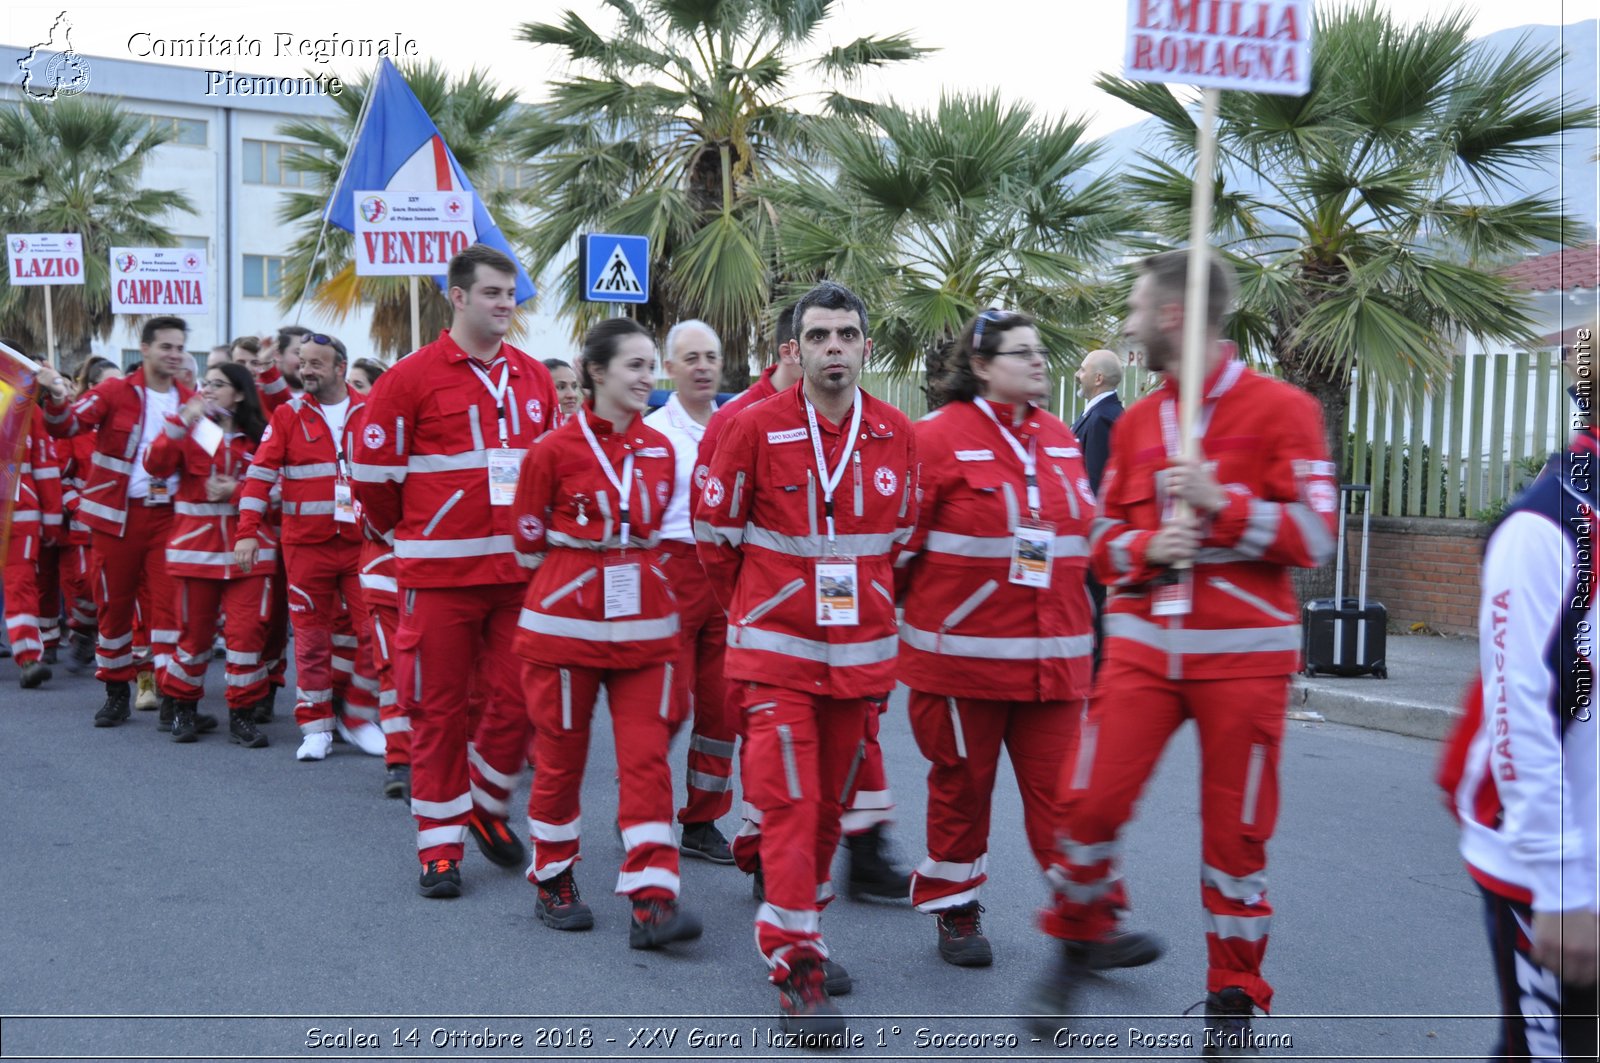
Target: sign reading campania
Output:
[(405, 234), (158, 280), (1252, 45), (45, 258)]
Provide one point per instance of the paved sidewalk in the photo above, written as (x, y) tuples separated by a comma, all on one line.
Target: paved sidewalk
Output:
[(1421, 697)]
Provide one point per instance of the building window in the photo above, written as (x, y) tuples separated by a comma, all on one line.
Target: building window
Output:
[(511, 175), (190, 132), (197, 243), (263, 276), (266, 162)]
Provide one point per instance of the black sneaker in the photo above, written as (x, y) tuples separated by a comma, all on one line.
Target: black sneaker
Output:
[(1124, 948), (661, 922), (49, 655), (397, 781), (961, 940), (704, 841), (1227, 1033), (184, 725), (264, 707), (116, 708), (1050, 998), (242, 729), (496, 841), (81, 655), (34, 675), (804, 1008), (873, 875), (559, 907), (441, 879), (836, 981)]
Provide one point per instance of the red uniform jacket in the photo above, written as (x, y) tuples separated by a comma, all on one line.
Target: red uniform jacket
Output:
[(968, 631), (761, 531), (202, 531), (76, 457), (761, 389), (36, 510), (377, 574), (422, 470), (298, 450), (1266, 439), (117, 409), (568, 519)]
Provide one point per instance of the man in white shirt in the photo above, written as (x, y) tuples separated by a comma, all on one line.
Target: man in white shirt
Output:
[(694, 361)]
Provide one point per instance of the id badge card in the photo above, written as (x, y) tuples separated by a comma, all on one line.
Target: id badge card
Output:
[(1174, 595), (838, 593), (344, 503), (622, 580), (504, 468), (1033, 547), (158, 494)]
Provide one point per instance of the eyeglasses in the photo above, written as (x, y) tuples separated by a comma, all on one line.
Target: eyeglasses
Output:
[(1029, 353)]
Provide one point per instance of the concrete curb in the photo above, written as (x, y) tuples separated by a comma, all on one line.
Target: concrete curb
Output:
[(1374, 711)]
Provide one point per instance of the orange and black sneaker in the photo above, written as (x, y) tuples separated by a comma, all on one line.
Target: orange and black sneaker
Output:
[(496, 841), (440, 878), (804, 1010), (658, 922), (559, 907)]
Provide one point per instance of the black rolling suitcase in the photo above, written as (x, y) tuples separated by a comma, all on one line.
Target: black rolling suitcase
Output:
[(1345, 636)]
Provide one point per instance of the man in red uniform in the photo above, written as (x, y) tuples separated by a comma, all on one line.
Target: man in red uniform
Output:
[(437, 474), (1215, 642), (128, 511), (807, 499)]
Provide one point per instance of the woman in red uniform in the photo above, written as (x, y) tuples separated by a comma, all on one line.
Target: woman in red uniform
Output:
[(598, 610), (199, 554), (997, 635)]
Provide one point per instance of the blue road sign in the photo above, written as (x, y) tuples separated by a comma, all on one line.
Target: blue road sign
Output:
[(616, 269)]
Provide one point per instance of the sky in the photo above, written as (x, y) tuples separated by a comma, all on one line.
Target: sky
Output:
[(1045, 52)]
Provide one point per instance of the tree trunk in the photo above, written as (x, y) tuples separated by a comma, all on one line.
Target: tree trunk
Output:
[(735, 362), (1331, 389)]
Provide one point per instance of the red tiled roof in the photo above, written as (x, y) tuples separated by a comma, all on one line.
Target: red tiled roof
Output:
[(1576, 267)]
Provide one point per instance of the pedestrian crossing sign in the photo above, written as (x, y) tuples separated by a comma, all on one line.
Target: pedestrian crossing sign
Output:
[(616, 269)]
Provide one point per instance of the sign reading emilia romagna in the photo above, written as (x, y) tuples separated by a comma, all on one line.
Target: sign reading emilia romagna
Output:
[(158, 280), (45, 258), (1253, 45), (407, 234)]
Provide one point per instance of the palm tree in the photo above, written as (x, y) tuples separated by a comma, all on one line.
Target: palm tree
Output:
[(76, 165), (1365, 218), (474, 117), (662, 131), (933, 216)]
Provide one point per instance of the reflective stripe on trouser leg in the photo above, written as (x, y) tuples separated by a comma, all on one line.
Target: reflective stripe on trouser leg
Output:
[(395, 723), (199, 601), (703, 690), (798, 749), (128, 568), (1131, 718), (560, 753), (963, 753), (644, 799), (500, 732), (245, 632), (22, 612), (314, 572), (871, 803)]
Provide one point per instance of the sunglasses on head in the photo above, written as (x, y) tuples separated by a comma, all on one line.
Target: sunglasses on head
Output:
[(320, 340), (990, 316)]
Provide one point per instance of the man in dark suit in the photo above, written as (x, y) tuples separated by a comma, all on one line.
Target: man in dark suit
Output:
[(1098, 378)]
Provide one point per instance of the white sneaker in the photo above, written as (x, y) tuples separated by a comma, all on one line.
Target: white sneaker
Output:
[(363, 734), (315, 746)]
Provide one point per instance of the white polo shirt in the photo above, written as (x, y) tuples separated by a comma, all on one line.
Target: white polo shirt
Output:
[(685, 433)]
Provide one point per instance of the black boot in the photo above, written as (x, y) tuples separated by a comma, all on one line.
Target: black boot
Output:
[(34, 674), (81, 655), (184, 725), (264, 707), (242, 728), (204, 723), (116, 708), (872, 871), (169, 709)]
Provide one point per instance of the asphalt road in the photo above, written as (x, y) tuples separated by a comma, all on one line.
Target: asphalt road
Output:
[(207, 902)]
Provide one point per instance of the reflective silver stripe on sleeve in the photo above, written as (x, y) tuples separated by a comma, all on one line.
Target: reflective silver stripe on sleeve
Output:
[(1121, 555), (837, 654), (1319, 541), (1261, 527), (265, 475), (706, 532), (1276, 639), (252, 505), (377, 474)]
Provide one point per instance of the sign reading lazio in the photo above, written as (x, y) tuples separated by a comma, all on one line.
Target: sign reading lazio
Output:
[(158, 280), (1252, 45), (408, 234), (616, 269), (45, 258)]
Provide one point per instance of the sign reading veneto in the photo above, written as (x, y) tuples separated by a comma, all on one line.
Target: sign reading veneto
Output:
[(1253, 45), (158, 280), (45, 258), (404, 234)]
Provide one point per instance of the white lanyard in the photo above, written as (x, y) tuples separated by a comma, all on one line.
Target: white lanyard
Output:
[(498, 394), (1169, 418), (829, 482), (338, 438), (610, 470), (1026, 455)]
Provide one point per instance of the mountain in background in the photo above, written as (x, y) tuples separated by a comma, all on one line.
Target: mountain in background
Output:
[(1577, 179)]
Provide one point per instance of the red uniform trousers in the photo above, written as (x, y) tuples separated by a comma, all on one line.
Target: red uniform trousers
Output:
[(355, 673), (385, 620), (77, 583), (561, 706), (445, 634), (22, 608), (319, 575), (699, 687), (276, 651), (961, 738), (799, 753), (133, 575), (496, 755), (246, 602), (1131, 716), (50, 567)]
